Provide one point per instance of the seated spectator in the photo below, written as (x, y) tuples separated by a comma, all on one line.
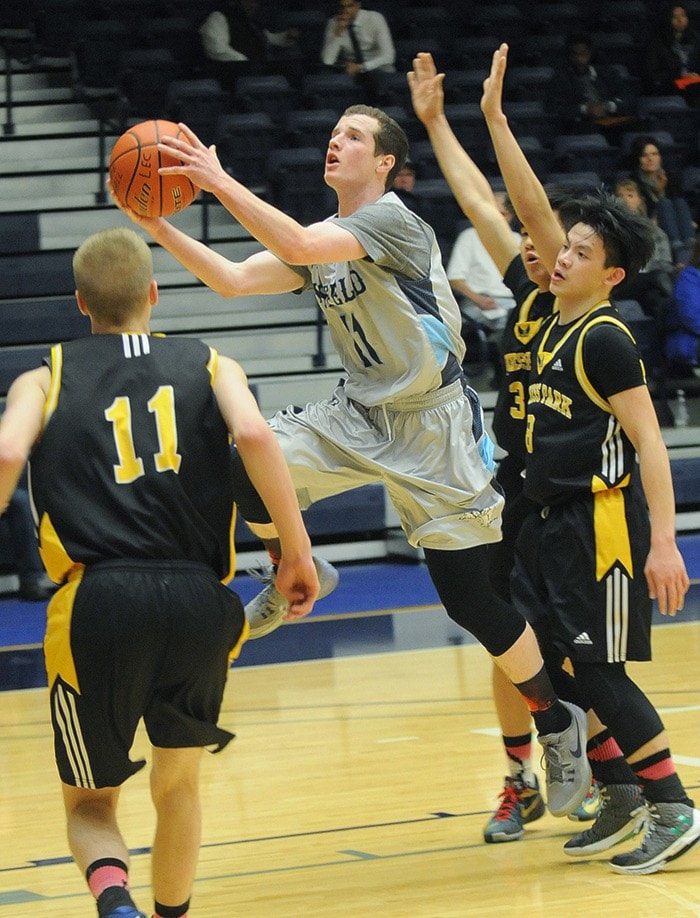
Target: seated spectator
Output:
[(662, 193), (404, 185), (673, 54), (359, 42), (588, 97), (653, 286), (475, 279), (683, 322), (34, 584), (235, 43)]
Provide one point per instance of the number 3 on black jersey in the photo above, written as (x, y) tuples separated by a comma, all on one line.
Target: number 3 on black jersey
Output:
[(119, 414), (517, 409)]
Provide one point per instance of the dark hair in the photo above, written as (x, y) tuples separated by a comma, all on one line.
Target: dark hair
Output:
[(578, 38), (389, 138), (628, 237), (637, 148)]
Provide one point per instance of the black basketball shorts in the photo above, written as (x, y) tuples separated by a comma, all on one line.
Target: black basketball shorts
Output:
[(579, 576), (131, 640)]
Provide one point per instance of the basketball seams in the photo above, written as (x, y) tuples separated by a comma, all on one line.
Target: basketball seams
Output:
[(151, 198)]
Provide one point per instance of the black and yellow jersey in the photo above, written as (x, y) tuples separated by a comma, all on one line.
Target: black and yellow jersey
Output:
[(574, 441), (523, 323), (133, 460)]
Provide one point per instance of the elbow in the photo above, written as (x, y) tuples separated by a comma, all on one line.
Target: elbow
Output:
[(297, 248), (12, 460), (253, 437)]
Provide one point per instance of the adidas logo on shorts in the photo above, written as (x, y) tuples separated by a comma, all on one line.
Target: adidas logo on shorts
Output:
[(583, 638)]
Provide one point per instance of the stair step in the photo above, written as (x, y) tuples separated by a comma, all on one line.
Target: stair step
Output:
[(31, 192), (36, 154), (37, 95), (50, 128), (43, 113), (66, 228)]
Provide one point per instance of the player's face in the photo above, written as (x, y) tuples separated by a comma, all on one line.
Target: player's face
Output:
[(536, 271), (580, 271), (351, 158)]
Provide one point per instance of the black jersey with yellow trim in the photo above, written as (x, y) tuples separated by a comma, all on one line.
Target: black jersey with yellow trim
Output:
[(574, 441), (524, 321), (134, 458)]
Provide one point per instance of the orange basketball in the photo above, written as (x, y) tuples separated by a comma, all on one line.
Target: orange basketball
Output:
[(133, 170)]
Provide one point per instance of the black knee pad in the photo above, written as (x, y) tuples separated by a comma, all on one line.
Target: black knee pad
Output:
[(619, 703)]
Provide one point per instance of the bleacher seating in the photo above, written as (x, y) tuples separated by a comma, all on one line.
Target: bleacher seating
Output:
[(51, 171)]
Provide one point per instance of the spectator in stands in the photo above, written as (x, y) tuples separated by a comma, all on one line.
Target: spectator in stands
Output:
[(672, 54), (34, 584), (587, 96), (359, 42), (405, 182), (476, 281), (683, 327), (404, 185), (662, 193), (235, 43), (654, 284)]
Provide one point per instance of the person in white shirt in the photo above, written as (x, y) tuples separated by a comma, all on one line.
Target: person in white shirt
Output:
[(235, 43), (359, 42), (475, 279)]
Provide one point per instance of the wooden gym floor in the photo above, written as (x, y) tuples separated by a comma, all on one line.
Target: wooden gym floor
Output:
[(358, 785)]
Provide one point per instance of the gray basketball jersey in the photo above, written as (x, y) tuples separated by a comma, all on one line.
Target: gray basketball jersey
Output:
[(392, 316)]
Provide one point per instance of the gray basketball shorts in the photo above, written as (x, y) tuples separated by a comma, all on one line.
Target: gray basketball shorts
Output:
[(422, 449)]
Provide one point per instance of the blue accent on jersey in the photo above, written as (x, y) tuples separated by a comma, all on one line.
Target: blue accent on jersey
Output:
[(439, 338)]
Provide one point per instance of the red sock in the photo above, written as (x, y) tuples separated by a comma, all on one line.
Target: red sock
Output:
[(108, 871)]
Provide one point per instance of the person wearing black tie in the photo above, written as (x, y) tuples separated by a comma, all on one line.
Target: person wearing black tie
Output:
[(359, 42)]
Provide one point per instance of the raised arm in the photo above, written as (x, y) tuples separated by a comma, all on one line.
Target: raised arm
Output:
[(276, 231), (525, 190), (469, 185), (265, 464)]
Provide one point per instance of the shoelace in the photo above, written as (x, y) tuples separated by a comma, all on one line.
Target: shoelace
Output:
[(652, 826), (562, 773), (509, 802), (263, 572)]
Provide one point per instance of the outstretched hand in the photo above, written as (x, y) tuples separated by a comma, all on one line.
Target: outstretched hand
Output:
[(492, 98), (425, 84), (198, 162)]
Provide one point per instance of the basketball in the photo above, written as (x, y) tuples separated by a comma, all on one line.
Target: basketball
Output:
[(133, 169)]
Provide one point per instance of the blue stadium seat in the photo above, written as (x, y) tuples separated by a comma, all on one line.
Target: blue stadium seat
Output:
[(199, 104), (243, 142), (295, 176), (574, 152)]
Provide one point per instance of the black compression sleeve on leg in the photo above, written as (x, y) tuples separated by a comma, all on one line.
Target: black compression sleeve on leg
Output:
[(619, 703), (250, 504), (462, 581)]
